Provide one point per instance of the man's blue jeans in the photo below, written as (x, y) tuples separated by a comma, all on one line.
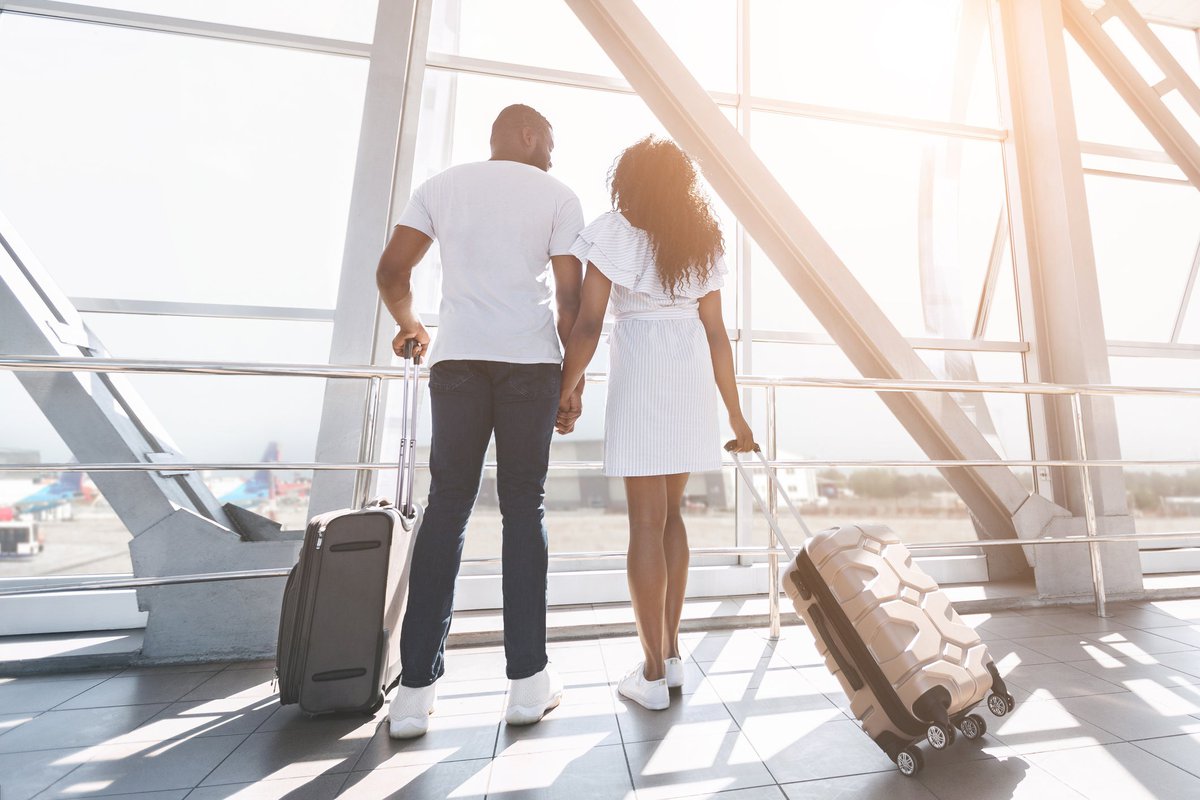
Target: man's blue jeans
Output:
[(469, 401)]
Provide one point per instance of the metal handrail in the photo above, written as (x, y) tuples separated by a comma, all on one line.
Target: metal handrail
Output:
[(599, 555), (376, 374), (169, 367), (796, 463)]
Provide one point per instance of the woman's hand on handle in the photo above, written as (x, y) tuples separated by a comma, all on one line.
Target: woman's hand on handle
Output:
[(743, 441)]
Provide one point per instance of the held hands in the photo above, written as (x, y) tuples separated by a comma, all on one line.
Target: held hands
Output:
[(416, 332), (570, 407), (743, 441)]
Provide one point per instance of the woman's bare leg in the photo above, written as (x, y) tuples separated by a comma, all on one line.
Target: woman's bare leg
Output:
[(646, 565), (675, 548)]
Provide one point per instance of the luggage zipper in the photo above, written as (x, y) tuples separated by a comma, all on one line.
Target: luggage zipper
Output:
[(868, 668)]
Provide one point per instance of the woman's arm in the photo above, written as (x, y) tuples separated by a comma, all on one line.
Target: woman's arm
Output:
[(722, 361), (581, 345)]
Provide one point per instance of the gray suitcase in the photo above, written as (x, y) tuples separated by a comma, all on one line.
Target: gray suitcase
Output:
[(344, 600)]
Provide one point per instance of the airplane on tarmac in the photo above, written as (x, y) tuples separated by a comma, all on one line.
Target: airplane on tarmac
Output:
[(263, 486), (68, 488)]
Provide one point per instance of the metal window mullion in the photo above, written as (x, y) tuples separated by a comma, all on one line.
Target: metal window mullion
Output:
[(1187, 297), (1039, 422), (126, 306), (743, 503), (468, 65), (410, 119), (504, 69), (983, 313), (356, 319), (134, 20)]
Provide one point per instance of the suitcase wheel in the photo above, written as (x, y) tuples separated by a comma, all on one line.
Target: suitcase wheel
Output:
[(1000, 705), (972, 726), (378, 704), (910, 761), (940, 735)]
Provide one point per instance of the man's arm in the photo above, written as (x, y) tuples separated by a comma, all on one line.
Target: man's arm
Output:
[(394, 278), (568, 283)]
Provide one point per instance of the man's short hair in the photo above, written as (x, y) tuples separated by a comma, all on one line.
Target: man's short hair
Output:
[(514, 118)]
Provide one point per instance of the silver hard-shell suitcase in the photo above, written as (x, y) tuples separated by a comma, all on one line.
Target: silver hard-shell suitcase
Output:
[(344, 600), (911, 666)]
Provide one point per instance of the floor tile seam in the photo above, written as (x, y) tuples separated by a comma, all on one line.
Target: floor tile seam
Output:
[(42, 792), (88, 689), (128, 705), (245, 738), (36, 714), (1097, 725), (616, 714), (362, 753), (1135, 742)]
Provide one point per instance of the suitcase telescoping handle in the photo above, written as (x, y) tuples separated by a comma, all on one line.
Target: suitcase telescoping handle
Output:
[(772, 519), (407, 462)]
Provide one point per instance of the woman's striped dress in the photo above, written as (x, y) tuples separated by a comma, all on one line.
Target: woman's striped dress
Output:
[(662, 398)]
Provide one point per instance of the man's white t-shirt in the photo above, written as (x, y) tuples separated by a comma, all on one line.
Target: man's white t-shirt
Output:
[(497, 224)]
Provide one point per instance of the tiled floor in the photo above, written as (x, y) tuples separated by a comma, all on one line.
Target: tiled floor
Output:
[(1106, 709)]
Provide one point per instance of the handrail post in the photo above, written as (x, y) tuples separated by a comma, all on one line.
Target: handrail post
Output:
[(772, 508), (1089, 508), (366, 448)]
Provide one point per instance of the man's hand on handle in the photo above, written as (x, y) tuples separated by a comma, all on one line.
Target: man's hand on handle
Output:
[(416, 332)]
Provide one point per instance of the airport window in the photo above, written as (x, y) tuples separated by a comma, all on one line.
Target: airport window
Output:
[(220, 175), (350, 20)]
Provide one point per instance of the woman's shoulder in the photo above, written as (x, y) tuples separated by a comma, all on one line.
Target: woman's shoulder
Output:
[(612, 225), (619, 250)]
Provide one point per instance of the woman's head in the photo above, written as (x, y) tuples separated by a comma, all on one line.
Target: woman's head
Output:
[(654, 184)]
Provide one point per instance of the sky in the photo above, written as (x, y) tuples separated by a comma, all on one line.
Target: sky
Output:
[(162, 167)]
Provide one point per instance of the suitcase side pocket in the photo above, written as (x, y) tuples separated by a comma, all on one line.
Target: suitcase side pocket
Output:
[(285, 661)]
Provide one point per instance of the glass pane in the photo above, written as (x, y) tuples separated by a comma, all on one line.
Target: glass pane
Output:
[(352, 20), (930, 59), (1182, 44), (208, 418), (1145, 237), (856, 425), (1100, 113), (885, 200), (183, 168), (456, 122), (545, 33), (1003, 324), (1162, 499)]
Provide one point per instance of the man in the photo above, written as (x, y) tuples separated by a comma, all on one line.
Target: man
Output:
[(496, 368)]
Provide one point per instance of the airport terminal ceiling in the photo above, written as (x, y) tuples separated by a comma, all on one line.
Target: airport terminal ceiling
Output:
[(192, 177)]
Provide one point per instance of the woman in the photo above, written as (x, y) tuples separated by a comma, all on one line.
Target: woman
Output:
[(658, 257)]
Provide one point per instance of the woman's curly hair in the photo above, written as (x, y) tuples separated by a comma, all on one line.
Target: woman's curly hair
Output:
[(654, 185)]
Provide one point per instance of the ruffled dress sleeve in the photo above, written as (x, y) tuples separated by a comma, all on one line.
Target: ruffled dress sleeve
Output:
[(625, 256)]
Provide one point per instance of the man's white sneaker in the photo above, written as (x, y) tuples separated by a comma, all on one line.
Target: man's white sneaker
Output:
[(674, 673), (653, 695), (408, 715), (530, 698)]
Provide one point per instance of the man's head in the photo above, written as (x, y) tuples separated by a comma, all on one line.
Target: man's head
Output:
[(522, 134)]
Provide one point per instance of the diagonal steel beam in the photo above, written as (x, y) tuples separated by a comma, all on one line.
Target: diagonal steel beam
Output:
[(1141, 97), (99, 417), (995, 496)]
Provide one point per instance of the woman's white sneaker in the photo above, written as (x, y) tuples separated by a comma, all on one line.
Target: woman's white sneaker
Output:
[(674, 673), (653, 695), (408, 715)]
